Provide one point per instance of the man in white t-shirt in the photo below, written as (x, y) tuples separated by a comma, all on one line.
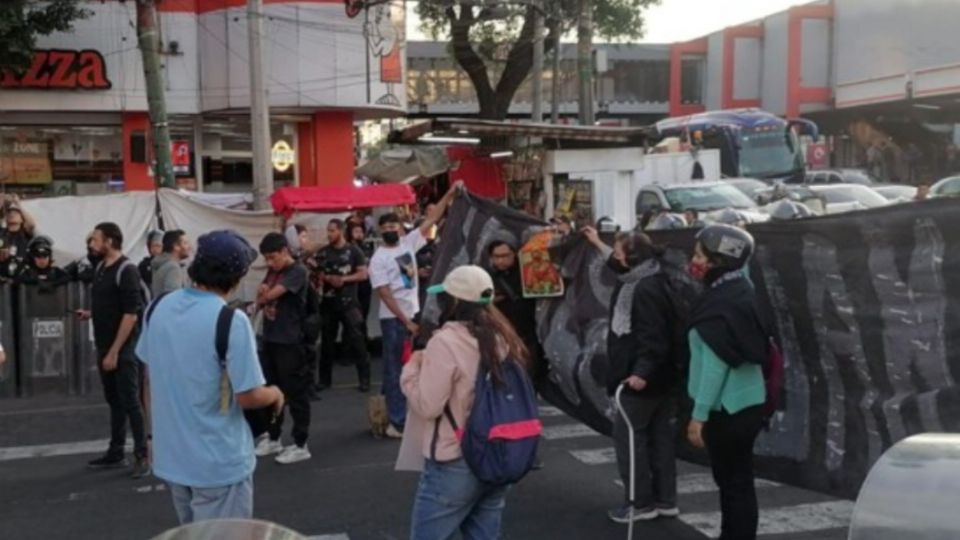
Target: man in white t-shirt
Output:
[(393, 274)]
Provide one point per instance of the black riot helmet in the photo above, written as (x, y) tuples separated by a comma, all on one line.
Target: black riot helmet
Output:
[(41, 246), (728, 247)]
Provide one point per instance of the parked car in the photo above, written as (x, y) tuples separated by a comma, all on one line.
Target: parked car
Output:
[(704, 197), (798, 193), (700, 196), (849, 197), (749, 186), (948, 187), (840, 176), (897, 192)]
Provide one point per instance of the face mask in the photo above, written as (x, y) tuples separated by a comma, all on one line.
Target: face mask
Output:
[(697, 271), (391, 237), (618, 267)]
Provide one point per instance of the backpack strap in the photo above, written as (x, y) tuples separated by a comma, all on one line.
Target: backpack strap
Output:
[(123, 266), (224, 321), (153, 306)]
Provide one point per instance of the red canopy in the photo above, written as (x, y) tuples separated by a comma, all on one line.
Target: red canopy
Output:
[(287, 201)]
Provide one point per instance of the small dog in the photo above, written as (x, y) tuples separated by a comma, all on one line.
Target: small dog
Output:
[(377, 414)]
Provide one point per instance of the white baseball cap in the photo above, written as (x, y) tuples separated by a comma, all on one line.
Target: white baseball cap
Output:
[(469, 283)]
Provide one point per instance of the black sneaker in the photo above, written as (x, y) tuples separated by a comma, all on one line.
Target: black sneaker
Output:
[(364, 387), (141, 469), (108, 462)]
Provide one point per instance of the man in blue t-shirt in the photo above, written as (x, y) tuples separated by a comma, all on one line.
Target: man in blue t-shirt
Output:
[(202, 446)]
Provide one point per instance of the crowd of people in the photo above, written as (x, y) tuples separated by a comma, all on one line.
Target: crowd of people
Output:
[(200, 425)]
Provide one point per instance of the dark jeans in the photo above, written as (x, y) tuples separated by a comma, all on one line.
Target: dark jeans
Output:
[(654, 420), (287, 367), (364, 294), (729, 439), (394, 336), (121, 389), (349, 315)]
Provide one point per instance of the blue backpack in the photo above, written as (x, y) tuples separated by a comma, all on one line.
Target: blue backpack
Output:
[(499, 441)]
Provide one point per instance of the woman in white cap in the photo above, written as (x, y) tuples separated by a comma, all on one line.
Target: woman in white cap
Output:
[(473, 333)]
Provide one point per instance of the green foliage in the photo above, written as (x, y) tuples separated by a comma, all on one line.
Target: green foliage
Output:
[(21, 21)]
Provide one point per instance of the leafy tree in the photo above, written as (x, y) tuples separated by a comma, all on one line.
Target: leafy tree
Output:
[(21, 21), (492, 41)]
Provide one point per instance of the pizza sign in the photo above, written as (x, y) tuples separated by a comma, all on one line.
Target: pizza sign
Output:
[(57, 69)]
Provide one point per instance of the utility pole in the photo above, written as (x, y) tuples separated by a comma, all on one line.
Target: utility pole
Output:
[(537, 113), (555, 79), (585, 61), (148, 38), (259, 110)]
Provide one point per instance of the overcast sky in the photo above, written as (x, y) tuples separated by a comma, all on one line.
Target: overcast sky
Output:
[(680, 20)]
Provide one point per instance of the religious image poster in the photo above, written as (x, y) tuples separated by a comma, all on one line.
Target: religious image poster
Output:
[(541, 278)]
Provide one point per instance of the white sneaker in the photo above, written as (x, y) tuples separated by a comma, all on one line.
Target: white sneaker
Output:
[(266, 447), (293, 454), (393, 433)]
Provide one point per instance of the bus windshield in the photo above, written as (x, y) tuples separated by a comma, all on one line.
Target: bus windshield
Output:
[(769, 154)]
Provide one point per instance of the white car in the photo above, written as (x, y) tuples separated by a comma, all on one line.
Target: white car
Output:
[(707, 198), (896, 193), (948, 187), (849, 197)]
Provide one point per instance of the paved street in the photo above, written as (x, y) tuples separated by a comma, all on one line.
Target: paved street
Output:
[(349, 490)]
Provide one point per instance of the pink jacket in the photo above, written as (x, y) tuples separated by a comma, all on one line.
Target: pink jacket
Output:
[(445, 372)]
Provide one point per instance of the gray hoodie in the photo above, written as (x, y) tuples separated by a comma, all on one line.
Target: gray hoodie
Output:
[(168, 275)]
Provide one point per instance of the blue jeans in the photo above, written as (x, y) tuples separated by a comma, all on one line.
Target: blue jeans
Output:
[(200, 504), (450, 498), (394, 335)]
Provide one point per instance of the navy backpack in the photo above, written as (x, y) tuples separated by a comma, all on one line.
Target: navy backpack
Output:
[(499, 441)]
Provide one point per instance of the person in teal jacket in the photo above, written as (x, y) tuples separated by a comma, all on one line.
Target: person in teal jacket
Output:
[(728, 346)]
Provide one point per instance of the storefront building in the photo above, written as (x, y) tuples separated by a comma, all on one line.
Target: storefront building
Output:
[(76, 121)]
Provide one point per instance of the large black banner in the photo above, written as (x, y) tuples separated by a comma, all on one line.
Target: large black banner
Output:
[(866, 309)]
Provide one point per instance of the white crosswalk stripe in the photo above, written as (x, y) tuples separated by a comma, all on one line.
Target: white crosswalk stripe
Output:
[(549, 411), (568, 431), (691, 484), (598, 456), (10, 453), (340, 536), (800, 518), (788, 519)]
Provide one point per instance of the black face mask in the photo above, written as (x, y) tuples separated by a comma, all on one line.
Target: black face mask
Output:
[(617, 266), (391, 238)]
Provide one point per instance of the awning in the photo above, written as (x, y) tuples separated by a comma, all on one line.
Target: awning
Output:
[(406, 164), (288, 201), (559, 132)]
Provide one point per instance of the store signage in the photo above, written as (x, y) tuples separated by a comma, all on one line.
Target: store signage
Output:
[(282, 156), (180, 154), (57, 69), (25, 162), (818, 156)]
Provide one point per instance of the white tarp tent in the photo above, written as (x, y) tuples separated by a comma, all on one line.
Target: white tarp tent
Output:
[(68, 221)]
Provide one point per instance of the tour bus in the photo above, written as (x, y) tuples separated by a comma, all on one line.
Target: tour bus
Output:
[(752, 143)]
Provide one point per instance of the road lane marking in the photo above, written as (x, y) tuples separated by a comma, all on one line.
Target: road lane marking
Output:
[(339, 536), (692, 484), (98, 446), (784, 520), (598, 456), (568, 431), (547, 410)]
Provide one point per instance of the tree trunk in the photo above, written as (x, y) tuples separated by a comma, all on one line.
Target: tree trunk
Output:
[(494, 101)]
